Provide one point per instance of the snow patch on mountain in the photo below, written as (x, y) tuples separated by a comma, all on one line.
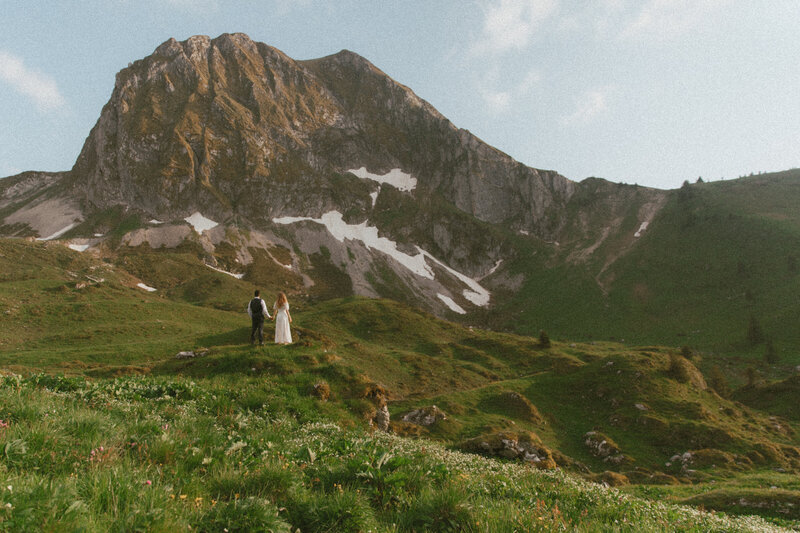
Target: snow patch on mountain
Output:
[(341, 230), (237, 276), (477, 294), (451, 304), (368, 235), (641, 229), (78, 247), (395, 177), (57, 234), (492, 270), (200, 223), (145, 287)]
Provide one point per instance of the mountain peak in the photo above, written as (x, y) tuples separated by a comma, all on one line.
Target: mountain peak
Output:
[(195, 125), (349, 57), (245, 135)]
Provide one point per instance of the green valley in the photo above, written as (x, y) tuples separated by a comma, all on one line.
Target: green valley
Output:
[(137, 437)]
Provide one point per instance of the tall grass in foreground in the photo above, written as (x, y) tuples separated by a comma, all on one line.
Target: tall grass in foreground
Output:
[(154, 454)]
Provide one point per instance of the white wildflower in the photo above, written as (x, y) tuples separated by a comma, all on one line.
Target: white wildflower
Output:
[(235, 447)]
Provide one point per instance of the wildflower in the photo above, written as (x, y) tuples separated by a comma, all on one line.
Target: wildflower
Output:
[(183, 496), (236, 446), (148, 482), (10, 488)]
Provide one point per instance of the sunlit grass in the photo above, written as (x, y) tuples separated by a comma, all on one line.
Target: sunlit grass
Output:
[(164, 455)]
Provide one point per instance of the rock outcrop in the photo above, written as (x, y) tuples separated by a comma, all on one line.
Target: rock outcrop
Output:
[(327, 156), (523, 445), (235, 128), (602, 447), (425, 416)]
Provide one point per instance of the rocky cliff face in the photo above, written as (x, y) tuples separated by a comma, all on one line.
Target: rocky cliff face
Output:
[(329, 158), (232, 127)]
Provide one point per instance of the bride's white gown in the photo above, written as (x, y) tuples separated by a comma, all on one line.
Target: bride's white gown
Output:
[(282, 332)]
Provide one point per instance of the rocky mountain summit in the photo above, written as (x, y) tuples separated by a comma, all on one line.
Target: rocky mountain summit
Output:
[(231, 127), (329, 159)]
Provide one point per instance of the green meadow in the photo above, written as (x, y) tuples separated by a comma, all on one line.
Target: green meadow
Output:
[(104, 428), (718, 257)]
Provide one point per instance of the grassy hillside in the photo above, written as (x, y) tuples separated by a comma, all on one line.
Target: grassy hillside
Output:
[(777, 398), (607, 411), (247, 455), (717, 258), (720, 255), (61, 307)]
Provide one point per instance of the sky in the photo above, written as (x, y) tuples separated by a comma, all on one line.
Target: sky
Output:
[(652, 92)]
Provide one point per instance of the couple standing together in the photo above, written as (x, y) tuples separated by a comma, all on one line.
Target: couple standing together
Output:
[(257, 309)]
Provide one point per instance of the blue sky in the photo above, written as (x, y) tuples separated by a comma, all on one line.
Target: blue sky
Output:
[(637, 91)]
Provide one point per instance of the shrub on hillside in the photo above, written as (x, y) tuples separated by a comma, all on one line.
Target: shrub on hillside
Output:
[(718, 382), (544, 339), (755, 335), (771, 354), (684, 371), (751, 374)]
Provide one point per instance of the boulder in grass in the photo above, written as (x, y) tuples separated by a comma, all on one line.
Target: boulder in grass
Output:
[(382, 418), (523, 445), (425, 416), (602, 447)]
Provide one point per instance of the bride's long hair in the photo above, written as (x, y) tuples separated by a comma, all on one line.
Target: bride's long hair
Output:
[(281, 301)]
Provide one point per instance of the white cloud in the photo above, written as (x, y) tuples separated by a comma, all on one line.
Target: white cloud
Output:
[(666, 19), (639, 20), (502, 100), (590, 105), (497, 101), (510, 24), (529, 82), (37, 86)]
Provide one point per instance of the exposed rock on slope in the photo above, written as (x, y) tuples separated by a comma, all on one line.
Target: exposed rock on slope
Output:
[(329, 157), (231, 127), (33, 203)]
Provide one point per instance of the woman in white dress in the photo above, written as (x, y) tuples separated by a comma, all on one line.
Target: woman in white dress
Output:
[(283, 334)]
